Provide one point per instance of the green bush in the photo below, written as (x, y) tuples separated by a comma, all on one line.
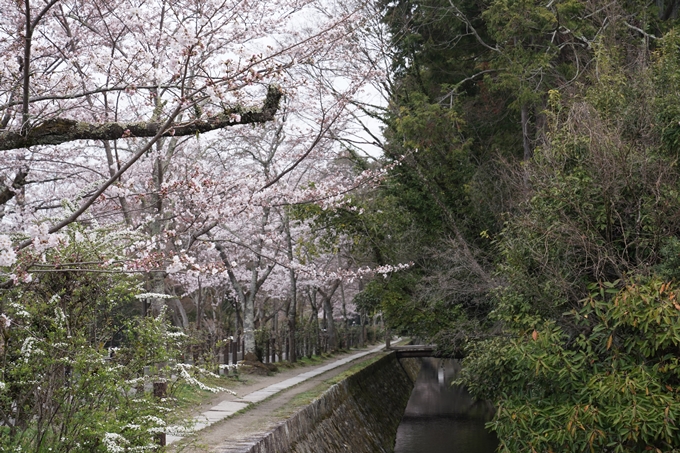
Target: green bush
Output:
[(611, 385), (73, 354)]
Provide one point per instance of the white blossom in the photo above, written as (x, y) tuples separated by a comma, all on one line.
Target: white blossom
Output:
[(28, 349), (114, 443), (7, 254)]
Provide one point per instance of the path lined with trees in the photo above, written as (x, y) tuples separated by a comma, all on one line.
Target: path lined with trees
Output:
[(185, 173), (274, 396), (168, 180)]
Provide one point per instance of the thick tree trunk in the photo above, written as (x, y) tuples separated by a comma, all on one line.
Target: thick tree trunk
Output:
[(292, 312), (330, 325), (114, 166), (199, 307), (249, 325), (157, 226), (238, 320), (314, 323), (292, 317), (157, 287), (328, 312), (181, 312), (247, 294)]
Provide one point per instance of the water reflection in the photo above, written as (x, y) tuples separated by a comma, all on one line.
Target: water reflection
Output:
[(441, 418)]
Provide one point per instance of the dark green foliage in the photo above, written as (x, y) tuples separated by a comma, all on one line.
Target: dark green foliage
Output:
[(608, 383), (667, 78), (587, 358), (436, 172), (538, 144)]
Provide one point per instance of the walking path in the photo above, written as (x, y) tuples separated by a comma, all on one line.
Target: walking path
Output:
[(234, 403)]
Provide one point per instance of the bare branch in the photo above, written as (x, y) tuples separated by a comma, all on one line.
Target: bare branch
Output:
[(55, 97), (316, 141), (459, 14), (639, 30)]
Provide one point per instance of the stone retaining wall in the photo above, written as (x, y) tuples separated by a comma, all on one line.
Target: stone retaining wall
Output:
[(359, 415)]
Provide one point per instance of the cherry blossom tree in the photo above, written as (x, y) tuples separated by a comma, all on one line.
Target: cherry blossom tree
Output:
[(186, 136), (105, 70), (249, 238), (142, 115)]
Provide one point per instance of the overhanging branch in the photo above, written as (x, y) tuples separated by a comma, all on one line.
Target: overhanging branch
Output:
[(62, 130), (7, 193)]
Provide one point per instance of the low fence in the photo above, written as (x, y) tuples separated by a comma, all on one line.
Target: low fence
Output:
[(272, 347)]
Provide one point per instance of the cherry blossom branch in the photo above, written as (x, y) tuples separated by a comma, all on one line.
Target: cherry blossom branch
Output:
[(7, 193), (311, 148), (267, 112), (197, 234), (61, 130), (26, 69), (64, 97)]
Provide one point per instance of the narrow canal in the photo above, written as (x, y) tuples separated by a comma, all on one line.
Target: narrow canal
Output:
[(441, 418)]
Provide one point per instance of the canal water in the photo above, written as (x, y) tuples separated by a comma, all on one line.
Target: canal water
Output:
[(441, 418)]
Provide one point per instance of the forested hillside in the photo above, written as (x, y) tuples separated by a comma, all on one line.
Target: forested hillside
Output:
[(538, 183)]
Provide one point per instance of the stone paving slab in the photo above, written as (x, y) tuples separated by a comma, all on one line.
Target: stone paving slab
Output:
[(213, 416), (227, 408), (170, 439)]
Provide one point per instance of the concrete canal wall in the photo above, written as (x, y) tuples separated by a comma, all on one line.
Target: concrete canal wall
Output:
[(359, 415)]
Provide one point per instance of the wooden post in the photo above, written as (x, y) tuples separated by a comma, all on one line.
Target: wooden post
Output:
[(195, 354), (160, 390), (232, 345), (266, 351)]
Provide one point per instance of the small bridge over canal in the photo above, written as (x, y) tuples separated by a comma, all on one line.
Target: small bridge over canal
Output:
[(420, 350)]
